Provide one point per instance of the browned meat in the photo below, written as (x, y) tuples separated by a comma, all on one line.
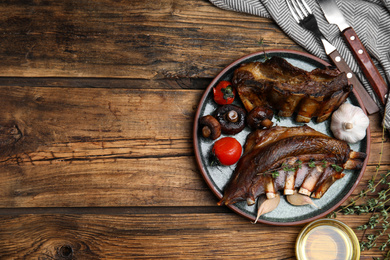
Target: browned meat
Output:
[(288, 158), (288, 89), (327, 179)]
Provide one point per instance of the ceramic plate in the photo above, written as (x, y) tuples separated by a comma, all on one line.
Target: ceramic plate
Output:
[(218, 176)]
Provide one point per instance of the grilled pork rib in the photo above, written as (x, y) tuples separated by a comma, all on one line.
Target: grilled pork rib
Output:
[(278, 84), (287, 158)]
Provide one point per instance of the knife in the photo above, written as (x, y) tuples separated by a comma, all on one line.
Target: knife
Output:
[(334, 16), (369, 104)]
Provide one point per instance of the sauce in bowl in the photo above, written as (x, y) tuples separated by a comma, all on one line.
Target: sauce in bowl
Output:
[(327, 239)]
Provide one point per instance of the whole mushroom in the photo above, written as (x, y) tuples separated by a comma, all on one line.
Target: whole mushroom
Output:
[(260, 117), (210, 127), (231, 118)]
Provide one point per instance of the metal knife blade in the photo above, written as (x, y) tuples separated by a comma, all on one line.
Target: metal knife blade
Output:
[(369, 104), (334, 16)]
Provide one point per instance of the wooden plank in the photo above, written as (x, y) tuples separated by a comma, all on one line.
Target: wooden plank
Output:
[(122, 83), (142, 182), (127, 39), (118, 183), (140, 119), (152, 236), (119, 149)]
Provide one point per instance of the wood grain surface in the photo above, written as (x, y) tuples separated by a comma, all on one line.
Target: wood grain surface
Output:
[(97, 104), (127, 39)]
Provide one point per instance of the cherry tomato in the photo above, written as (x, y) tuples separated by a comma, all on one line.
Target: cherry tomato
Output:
[(227, 150), (224, 93)]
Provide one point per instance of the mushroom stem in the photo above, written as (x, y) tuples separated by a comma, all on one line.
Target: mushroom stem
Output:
[(232, 119), (266, 123), (232, 116), (260, 117), (206, 131), (210, 127)]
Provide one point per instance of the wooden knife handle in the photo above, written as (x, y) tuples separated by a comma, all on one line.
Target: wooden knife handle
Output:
[(368, 102), (363, 58)]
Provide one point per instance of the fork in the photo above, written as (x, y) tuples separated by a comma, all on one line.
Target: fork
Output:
[(303, 15)]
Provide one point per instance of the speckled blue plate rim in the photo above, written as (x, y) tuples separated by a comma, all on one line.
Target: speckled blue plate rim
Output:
[(201, 166)]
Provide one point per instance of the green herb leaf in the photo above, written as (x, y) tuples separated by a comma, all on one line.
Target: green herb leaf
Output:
[(299, 164), (289, 169), (312, 164), (324, 163), (337, 168)]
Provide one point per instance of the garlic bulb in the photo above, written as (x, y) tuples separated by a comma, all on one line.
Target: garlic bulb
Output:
[(349, 123)]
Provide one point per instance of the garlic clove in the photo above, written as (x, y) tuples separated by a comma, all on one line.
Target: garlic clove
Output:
[(298, 199), (266, 205)]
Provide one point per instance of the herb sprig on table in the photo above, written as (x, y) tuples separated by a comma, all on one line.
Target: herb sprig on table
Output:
[(376, 205), (261, 43)]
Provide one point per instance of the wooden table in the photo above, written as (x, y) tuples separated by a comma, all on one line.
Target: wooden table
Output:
[(99, 99)]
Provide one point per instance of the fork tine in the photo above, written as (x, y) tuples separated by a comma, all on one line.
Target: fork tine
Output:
[(298, 10), (293, 11), (306, 6), (301, 8)]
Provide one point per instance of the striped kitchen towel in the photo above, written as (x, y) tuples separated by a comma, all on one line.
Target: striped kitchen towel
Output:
[(369, 18)]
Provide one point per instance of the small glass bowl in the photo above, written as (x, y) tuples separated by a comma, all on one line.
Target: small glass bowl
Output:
[(327, 239)]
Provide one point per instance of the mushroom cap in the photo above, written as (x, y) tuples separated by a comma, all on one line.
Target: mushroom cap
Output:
[(228, 126), (260, 117)]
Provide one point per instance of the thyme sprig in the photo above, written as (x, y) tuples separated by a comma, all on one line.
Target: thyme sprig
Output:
[(376, 206), (261, 43)]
